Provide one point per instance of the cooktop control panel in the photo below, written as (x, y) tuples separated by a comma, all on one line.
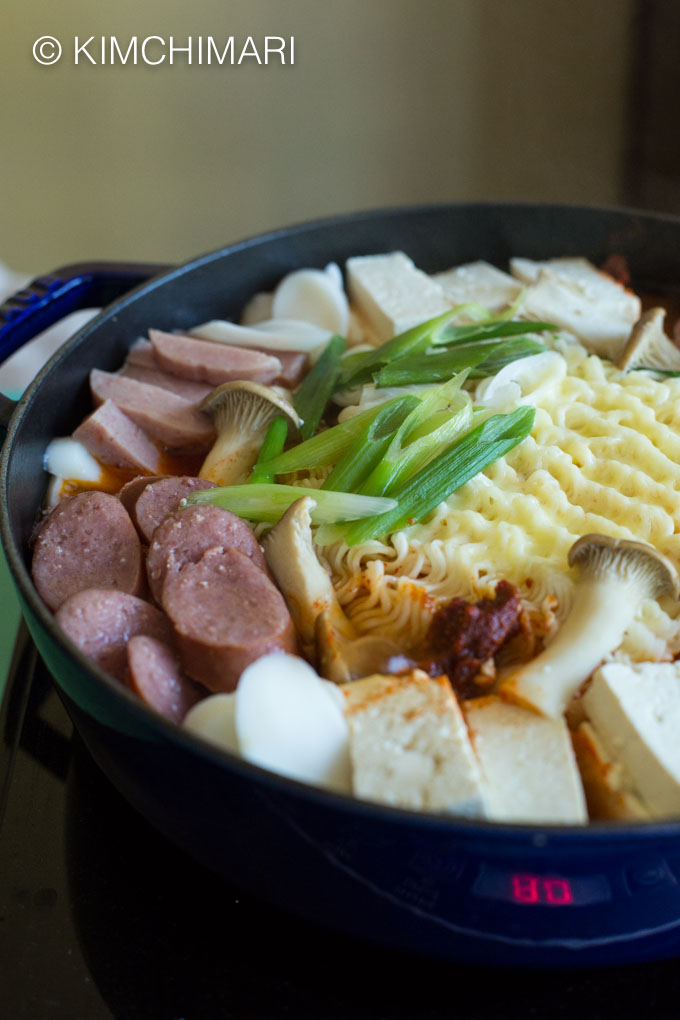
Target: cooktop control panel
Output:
[(555, 906)]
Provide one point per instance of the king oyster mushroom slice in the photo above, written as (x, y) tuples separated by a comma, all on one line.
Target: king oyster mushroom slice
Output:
[(615, 577), (325, 632), (343, 659), (242, 412), (302, 580), (648, 346)]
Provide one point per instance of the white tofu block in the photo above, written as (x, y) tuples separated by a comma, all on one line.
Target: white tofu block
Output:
[(480, 282), (391, 294), (608, 786), (576, 296), (635, 711), (409, 745), (591, 281), (528, 764)]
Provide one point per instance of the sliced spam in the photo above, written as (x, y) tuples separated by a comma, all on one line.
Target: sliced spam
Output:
[(635, 709), (114, 439), (141, 364), (578, 297), (164, 416), (392, 294), (479, 282), (209, 362), (409, 745), (527, 762), (189, 390)]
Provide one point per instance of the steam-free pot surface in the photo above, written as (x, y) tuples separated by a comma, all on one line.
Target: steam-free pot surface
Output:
[(438, 886)]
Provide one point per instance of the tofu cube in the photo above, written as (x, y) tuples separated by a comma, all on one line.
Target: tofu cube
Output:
[(409, 745), (391, 294), (607, 785), (528, 764), (577, 297), (635, 712), (480, 282)]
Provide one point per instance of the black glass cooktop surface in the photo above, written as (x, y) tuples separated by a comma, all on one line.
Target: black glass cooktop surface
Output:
[(101, 917)]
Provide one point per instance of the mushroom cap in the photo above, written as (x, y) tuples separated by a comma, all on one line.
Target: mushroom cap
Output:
[(250, 405), (648, 346), (601, 557)]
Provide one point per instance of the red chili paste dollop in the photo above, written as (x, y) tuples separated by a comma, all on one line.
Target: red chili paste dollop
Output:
[(464, 635)]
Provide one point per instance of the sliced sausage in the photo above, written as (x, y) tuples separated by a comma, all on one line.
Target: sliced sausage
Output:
[(141, 353), (294, 365), (212, 362), (141, 364), (183, 537), (156, 675), (102, 621), (88, 541), (132, 490), (159, 498), (226, 614), (170, 419), (189, 390), (115, 439)]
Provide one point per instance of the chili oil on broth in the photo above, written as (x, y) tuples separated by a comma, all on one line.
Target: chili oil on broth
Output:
[(603, 456)]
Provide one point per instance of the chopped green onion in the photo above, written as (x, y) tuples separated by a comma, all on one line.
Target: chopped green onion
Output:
[(460, 462), (494, 330), (364, 453), (268, 503), (471, 310), (412, 340), (483, 358), (273, 444), (514, 350), (411, 448), (316, 390), (327, 447), (512, 310), (668, 373), (350, 360)]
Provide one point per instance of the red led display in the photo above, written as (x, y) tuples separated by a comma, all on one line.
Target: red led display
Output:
[(553, 892), (528, 888)]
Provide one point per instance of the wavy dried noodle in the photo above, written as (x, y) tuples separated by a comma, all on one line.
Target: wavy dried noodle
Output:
[(603, 456)]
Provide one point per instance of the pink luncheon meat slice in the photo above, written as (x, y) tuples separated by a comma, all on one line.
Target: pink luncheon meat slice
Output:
[(294, 365), (209, 362), (141, 353), (114, 439), (175, 422), (189, 390)]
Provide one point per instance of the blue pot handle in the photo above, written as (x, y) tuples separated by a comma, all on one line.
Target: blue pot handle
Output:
[(50, 298)]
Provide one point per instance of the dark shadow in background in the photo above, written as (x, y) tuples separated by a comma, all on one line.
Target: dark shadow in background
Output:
[(652, 164)]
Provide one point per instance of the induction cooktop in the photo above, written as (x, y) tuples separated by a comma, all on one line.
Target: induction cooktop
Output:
[(101, 917)]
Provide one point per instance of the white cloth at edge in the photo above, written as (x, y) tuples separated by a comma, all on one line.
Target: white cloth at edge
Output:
[(22, 366)]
